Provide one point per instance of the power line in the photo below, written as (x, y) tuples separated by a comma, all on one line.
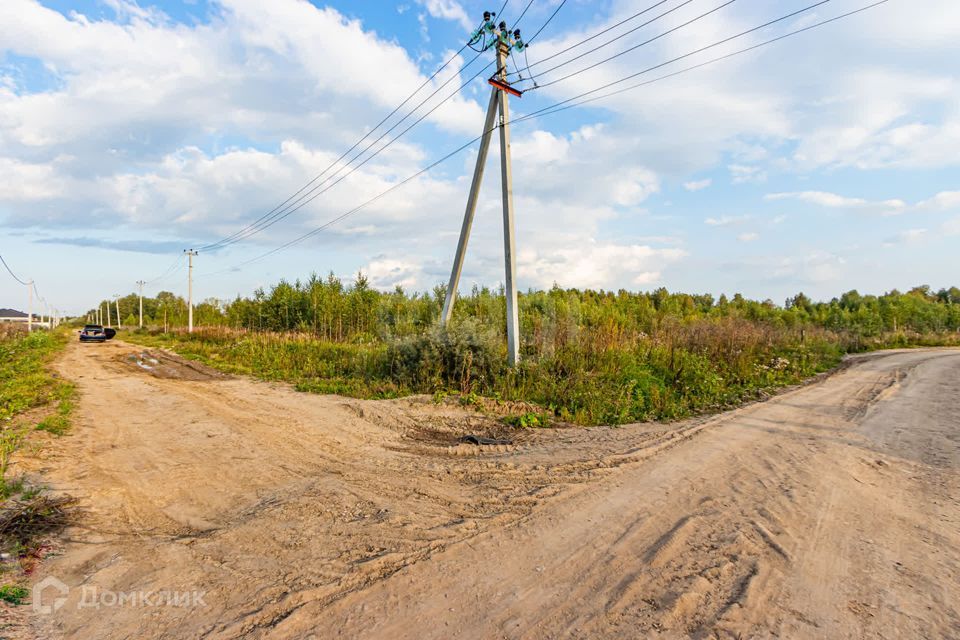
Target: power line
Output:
[(516, 22), (314, 193), (686, 55), (606, 30), (635, 47), (169, 271), (556, 109), (286, 208), (311, 194), (549, 110), (12, 274), (534, 37), (229, 238), (544, 26)]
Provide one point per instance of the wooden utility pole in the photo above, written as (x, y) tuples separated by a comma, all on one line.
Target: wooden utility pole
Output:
[(499, 101), (190, 253), (140, 284)]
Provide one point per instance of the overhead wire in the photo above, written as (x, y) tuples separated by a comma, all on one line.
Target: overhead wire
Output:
[(166, 272), (318, 191), (311, 194), (229, 239), (287, 207), (600, 33), (323, 187), (516, 23), (12, 274), (530, 40), (690, 54), (634, 47), (565, 104)]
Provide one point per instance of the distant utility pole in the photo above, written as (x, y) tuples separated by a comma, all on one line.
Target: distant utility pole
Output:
[(190, 253), (504, 40), (30, 307), (116, 303), (140, 284), (107, 316)]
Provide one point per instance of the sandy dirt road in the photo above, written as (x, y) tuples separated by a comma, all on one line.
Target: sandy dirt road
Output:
[(831, 511)]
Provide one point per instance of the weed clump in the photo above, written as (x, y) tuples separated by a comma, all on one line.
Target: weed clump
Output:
[(464, 357)]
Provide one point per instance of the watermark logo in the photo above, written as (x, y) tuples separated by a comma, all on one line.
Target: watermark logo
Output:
[(51, 585), (50, 595)]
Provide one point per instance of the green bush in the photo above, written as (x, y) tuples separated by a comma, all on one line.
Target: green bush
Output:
[(464, 357)]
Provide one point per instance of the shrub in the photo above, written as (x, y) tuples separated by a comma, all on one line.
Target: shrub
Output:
[(462, 357)]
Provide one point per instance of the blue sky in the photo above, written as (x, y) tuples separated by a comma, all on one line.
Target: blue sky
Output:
[(822, 163)]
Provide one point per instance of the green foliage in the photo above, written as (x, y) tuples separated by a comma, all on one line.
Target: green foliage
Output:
[(590, 357), (464, 357), (528, 420), (14, 594)]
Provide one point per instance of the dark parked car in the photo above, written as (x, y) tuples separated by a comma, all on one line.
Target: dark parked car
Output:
[(96, 333)]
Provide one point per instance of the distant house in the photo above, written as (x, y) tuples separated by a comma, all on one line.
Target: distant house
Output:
[(12, 315)]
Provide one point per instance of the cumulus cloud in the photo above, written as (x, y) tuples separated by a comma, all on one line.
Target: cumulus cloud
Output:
[(907, 236), (726, 221), (597, 265), (697, 185), (448, 10), (943, 201)]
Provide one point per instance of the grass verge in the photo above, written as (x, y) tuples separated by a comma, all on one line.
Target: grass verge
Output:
[(32, 397)]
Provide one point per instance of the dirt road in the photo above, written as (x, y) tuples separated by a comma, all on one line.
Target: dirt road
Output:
[(227, 508)]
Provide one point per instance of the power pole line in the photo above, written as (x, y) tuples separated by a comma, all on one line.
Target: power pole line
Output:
[(30, 308), (140, 284), (504, 41), (116, 303), (190, 253)]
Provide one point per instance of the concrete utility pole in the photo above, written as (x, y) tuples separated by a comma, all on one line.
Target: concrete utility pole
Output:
[(140, 284), (30, 307), (509, 243), (107, 316), (499, 101), (116, 303), (190, 253)]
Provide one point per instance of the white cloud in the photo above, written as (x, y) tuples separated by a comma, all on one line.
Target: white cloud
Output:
[(750, 236), (387, 273), (952, 226), (597, 265), (697, 185), (449, 10), (943, 201), (908, 236), (743, 173), (726, 221)]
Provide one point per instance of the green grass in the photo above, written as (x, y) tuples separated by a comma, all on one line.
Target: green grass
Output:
[(27, 383), (14, 594), (691, 370)]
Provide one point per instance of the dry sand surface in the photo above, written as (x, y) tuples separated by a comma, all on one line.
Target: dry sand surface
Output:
[(830, 511)]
